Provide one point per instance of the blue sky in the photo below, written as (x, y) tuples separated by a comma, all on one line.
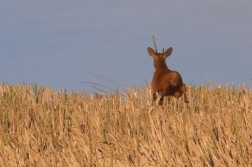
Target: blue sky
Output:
[(56, 43)]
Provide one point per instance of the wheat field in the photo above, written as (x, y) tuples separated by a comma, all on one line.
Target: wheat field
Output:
[(42, 127)]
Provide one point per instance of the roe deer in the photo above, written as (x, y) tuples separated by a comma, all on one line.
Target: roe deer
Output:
[(166, 82)]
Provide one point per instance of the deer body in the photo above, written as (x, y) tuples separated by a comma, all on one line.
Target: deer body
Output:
[(166, 82)]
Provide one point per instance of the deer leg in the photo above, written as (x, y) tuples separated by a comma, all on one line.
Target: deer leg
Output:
[(176, 105), (154, 96), (161, 100), (185, 96)]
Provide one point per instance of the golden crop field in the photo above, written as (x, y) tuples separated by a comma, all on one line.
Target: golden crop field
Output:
[(42, 127)]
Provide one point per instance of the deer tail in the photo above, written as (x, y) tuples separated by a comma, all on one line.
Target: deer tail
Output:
[(173, 84)]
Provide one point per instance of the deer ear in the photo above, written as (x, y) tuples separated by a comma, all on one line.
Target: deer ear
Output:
[(151, 52), (168, 52)]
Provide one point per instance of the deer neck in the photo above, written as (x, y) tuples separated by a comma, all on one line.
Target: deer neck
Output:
[(161, 65)]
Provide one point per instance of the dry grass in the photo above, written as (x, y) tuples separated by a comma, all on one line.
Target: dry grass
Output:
[(41, 127)]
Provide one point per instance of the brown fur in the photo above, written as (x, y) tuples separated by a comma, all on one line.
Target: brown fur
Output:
[(166, 82)]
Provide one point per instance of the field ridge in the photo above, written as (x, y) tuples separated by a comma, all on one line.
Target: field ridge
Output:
[(42, 127)]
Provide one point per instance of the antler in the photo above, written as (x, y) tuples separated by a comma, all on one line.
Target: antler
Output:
[(155, 47)]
